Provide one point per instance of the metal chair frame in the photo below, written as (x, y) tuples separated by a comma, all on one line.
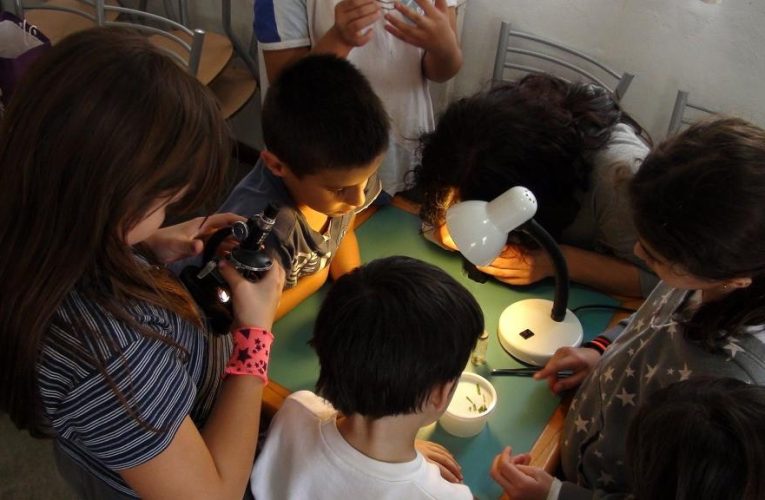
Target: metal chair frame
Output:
[(503, 60), (678, 118)]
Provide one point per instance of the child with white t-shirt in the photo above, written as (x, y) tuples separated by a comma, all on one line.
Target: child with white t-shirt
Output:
[(392, 338), (398, 48)]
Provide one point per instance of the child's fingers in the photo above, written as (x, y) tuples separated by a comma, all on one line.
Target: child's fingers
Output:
[(433, 452), (497, 476), (522, 459), (359, 24), (567, 383), (217, 221), (448, 474), (410, 14), (363, 13)]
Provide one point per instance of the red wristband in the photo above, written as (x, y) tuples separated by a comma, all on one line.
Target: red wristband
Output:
[(599, 343), (252, 347)]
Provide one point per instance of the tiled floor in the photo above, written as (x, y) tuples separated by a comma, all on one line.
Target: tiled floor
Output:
[(27, 467)]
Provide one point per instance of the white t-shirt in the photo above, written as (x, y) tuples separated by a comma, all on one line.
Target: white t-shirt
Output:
[(393, 68), (305, 456)]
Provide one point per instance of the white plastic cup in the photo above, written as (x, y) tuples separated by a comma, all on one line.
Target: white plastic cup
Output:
[(470, 407)]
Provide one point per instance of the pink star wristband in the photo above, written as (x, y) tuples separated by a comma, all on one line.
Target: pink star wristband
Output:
[(252, 347)]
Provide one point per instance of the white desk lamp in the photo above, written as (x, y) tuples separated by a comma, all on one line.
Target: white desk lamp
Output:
[(530, 330)]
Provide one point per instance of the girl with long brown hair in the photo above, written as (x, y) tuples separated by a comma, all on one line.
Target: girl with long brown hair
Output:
[(100, 347)]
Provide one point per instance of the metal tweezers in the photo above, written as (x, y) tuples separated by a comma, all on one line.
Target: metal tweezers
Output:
[(527, 372)]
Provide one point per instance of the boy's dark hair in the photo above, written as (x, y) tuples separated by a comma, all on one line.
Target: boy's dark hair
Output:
[(535, 132), (701, 438), (698, 201), (389, 332), (321, 113)]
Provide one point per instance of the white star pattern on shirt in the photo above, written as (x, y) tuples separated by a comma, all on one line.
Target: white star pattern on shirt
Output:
[(627, 398), (651, 371), (608, 374), (672, 329), (631, 352), (639, 325), (685, 373), (629, 372), (598, 454), (581, 424), (665, 298), (732, 347), (670, 371), (605, 479)]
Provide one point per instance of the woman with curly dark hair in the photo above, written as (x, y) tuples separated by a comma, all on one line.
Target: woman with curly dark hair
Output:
[(573, 147)]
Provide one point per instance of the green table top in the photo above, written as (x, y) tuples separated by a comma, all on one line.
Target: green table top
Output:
[(523, 405)]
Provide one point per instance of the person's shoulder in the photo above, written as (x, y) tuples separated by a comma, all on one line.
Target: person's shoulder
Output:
[(437, 487), (310, 403), (621, 156), (255, 191)]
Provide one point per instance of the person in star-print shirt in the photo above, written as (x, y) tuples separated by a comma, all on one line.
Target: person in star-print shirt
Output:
[(698, 207)]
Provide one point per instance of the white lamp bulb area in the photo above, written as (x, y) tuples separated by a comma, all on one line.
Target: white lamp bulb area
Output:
[(479, 228)]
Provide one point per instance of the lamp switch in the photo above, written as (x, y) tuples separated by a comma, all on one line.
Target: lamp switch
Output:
[(526, 334)]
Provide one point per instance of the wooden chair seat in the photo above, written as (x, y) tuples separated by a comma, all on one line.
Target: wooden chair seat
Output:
[(217, 51), (234, 87)]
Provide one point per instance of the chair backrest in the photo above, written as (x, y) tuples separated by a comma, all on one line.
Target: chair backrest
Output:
[(58, 18), (520, 52), (685, 112), (63, 17), (182, 44)]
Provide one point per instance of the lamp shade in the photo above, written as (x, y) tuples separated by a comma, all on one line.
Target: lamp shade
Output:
[(479, 228)]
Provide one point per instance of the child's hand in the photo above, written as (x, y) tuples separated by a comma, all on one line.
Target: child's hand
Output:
[(437, 454), (580, 360), (431, 31), (516, 266), (352, 20), (186, 239), (520, 480), (254, 303)]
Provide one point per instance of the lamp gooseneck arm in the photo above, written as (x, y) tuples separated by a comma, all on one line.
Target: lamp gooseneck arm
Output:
[(543, 238)]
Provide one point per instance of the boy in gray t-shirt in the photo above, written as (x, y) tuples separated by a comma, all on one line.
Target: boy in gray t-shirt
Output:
[(326, 133)]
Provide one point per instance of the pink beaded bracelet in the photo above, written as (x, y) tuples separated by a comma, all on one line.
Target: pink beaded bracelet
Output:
[(252, 347)]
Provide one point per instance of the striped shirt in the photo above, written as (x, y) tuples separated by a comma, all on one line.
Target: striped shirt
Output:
[(160, 383)]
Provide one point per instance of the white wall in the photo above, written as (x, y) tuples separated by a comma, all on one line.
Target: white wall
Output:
[(717, 52)]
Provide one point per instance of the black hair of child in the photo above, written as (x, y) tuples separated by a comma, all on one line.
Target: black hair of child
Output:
[(701, 438), (535, 132), (390, 332), (321, 113), (698, 201)]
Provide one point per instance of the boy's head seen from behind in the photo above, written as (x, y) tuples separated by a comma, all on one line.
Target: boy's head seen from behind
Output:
[(390, 332)]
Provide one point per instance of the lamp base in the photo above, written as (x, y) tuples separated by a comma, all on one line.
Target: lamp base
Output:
[(529, 334)]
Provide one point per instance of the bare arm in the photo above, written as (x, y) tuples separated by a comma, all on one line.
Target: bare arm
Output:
[(519, 267), (216, 462), (347, 257), (306, 286), (604, 272)]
